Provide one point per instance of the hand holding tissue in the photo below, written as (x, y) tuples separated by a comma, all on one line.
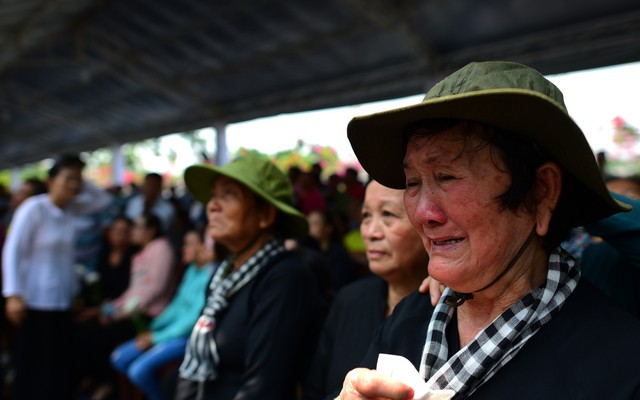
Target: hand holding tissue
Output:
[(398, 367)]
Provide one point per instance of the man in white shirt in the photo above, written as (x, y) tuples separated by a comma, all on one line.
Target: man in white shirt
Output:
[(150, 201), (39, 281)]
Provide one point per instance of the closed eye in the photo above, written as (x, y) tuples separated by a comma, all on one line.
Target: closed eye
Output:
[(446, 178)]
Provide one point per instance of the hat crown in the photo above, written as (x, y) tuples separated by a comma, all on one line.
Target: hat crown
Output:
[(263, 175), (492, 75)]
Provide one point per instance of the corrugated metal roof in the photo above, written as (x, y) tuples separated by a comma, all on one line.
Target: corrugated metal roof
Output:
[(77, 75)]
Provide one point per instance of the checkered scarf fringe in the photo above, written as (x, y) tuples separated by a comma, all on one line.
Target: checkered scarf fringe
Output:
[(201, 356), (499, 342)]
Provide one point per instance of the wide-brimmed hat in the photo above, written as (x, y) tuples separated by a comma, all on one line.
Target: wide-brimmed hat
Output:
[(262, 177), (506, 95)]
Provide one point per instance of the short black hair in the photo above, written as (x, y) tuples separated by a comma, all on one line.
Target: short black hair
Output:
[(66, 161), (152, 221)]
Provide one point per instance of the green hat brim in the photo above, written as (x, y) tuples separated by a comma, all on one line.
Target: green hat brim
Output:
[(378, 141), (199, 180)]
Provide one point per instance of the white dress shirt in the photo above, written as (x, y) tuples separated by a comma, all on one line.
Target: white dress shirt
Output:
[(38, 254), (161, 208)]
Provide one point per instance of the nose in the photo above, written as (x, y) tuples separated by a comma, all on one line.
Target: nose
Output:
[(371, 229), (426, 209), (213, 204)]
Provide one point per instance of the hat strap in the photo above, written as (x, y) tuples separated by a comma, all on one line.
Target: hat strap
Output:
[(457, 298), (233, 256)]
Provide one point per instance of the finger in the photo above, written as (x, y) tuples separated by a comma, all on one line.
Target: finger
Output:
[(424, 286), (369, 384), (434, 297), (435, 291)]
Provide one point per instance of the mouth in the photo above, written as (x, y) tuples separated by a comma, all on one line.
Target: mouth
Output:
[(446, 242), (374, 254)]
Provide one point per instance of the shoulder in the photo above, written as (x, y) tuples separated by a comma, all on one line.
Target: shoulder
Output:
[(585, 351), (33, 201), (30, 209), (159, 247), (287, 266), (369, 286), (135, 200), (415, 308), (589, 317), (161, 243), (405, 330)]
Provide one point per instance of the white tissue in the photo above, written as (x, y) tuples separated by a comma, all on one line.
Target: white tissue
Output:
[(398, 367)]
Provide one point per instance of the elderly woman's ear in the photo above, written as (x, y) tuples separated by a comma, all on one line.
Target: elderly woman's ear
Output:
[(268, 216), (548, 189)]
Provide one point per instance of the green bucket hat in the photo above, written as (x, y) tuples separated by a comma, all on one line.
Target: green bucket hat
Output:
[(262, 177), (506, 95)]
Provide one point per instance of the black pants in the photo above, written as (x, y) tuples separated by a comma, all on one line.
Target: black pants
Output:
[(43, 356)]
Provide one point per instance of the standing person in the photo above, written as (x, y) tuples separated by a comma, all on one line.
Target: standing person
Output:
[(30, 187), (255, 332), (150, 201), (398, 262), (165, 341), (40, 282), (496, 173)]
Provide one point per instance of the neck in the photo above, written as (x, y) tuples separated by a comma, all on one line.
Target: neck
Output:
[(526, 275), (57, 202), (244, 254), (400, 288), (199, 263)]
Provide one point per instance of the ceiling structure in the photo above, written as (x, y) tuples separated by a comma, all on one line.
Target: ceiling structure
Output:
[(77, 75)]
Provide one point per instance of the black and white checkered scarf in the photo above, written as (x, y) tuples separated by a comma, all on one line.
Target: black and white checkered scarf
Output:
[(201, 356), (499, 342)]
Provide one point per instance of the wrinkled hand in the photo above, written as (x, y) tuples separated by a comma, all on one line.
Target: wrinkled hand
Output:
[(434, 287), (366, 384), (16, 310)]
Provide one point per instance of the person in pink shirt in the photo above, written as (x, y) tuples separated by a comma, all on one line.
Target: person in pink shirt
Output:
[(151, 286), (152, 281)]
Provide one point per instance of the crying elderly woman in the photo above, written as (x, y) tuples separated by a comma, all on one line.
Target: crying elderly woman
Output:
[(496, 173)]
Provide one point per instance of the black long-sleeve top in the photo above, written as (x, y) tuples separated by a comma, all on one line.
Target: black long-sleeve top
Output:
[(266, 334), (355, 313)]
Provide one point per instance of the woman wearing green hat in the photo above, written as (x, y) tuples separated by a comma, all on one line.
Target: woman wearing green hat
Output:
[(252, 337), (496, 173)]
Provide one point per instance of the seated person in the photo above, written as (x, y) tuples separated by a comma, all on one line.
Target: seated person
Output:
[(165, 341), (398, 262)]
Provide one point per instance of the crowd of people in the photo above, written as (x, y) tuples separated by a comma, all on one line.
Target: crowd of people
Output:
[(95, 288), (480, 251)]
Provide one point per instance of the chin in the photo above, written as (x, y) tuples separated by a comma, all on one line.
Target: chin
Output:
[(380, 269)]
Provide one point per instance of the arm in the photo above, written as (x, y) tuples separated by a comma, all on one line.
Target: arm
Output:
[(621, 230), (90, 199), (16, 247)]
